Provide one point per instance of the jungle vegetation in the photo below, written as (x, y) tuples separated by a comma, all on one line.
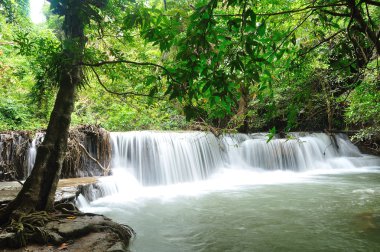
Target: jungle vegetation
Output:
[(240, 65), (234, 65)]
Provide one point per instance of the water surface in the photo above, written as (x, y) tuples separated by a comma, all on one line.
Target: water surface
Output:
[(291, 212), (191, 191)]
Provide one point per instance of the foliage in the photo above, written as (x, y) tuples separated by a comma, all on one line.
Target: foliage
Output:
[(13, 10), (236, 64), (16, 81), (364, 109)]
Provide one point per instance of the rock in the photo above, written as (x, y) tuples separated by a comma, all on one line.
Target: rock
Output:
[(117, 247), (77, 227), (55, 238), (67, 189), (6, 239), (82, 233)]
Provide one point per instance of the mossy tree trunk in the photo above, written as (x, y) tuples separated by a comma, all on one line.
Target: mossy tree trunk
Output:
[(39, 189)]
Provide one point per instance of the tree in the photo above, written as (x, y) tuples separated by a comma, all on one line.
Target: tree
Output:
[(67, 71), (224, 61), (14, 9), (38, 192), (234, 56)]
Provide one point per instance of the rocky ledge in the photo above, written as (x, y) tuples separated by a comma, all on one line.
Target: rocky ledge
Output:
[(67, 229), (84, 233), (67, 189)]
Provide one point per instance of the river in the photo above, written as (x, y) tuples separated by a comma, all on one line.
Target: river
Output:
[(307, 193)]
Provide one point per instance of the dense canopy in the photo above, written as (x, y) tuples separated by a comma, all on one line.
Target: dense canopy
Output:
[(240, 65)]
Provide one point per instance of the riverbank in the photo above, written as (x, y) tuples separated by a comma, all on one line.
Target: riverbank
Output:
[(67, 188), (65, 229), (79, 232)]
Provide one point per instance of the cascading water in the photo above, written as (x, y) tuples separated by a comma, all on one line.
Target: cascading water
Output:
[(301, 152), (144, 159), (32, 151), (159, 158), (191, 191), (166, 158)]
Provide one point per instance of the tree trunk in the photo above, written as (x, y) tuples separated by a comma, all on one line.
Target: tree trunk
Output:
[(329, 106), (239, 120), (365, 28), (39, 189)]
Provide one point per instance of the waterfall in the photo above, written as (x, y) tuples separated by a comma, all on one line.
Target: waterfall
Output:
[(166, 157), (165, 164), (161, 158), (32, 151)]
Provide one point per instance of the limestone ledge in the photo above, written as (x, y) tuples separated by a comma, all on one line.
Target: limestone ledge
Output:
[(67, 188)]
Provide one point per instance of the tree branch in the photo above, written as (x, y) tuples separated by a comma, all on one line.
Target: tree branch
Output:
[(337, 14), (321, 42), (110, 62), (290, 33), (6, 43), (313, 7), (119, 93), (371, 2), (356, 14)]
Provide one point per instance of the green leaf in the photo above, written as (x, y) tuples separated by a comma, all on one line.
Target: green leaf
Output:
[(294, 40), (262, 87), (248, 48), (261, 29), (271, 134), (253, 17), (206, 86)]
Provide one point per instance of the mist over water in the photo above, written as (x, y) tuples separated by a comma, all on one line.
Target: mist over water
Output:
[(190, 191)]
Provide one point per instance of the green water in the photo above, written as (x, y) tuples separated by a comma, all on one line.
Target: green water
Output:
[(332, 212)]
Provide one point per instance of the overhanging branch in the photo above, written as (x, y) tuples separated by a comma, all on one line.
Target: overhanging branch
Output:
[(371, 2), (120, 93), (337, 14), (111, 62), (312, 7), (290, 33), (321, 42)]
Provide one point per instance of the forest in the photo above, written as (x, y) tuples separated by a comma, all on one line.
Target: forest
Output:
[(241, 66), (220, 66)]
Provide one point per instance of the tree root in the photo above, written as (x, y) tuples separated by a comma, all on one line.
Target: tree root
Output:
[(69, 209), (28, 227), (65, 224)]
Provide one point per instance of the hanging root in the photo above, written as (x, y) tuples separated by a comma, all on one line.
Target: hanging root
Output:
[(88, 152), (106, 171)]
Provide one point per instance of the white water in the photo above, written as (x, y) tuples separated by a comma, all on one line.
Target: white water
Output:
[(193, 192), (32, 152), (169, 164), (165, 158)]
